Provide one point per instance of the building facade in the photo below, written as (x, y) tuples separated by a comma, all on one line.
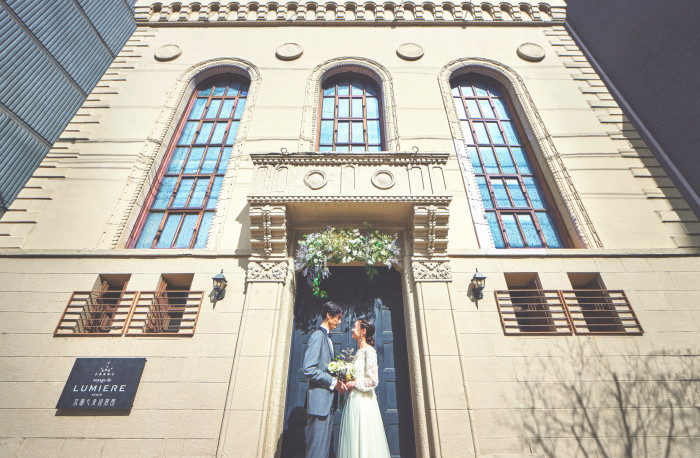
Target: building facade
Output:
[(478, 133), (54, 56)]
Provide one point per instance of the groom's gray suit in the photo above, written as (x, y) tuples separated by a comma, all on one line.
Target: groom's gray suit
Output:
[(321, 400)]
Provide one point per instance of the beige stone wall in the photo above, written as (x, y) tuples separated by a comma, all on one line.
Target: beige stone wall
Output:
[(485, 393), (476, 391)]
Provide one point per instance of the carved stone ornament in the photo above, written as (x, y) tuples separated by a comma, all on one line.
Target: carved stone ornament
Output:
[(267, 271), (315, 179), (289, 51), (167, 52), (432, 271), (530, 52), (410, 51), (383, 179)]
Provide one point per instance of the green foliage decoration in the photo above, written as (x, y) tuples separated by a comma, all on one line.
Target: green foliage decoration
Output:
[(341, 246)]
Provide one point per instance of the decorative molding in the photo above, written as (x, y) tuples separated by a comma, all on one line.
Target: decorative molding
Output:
[(315, 179), (430, 230), (268, 230), (384, 158), (143, 172), (391, 13), (530, 52), (436, 200), (383, 179), (267, 271), (366, 67), (410, 51), (568, 200), (289, 51), (432, 270), (167, 53)]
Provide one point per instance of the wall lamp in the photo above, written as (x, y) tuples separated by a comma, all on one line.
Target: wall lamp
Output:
[(219, 286), (478, 283)]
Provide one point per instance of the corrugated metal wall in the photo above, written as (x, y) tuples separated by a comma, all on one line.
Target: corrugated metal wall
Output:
[(52, 57)]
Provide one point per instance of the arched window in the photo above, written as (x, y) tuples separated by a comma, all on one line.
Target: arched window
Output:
[(351, 115), (180, 206), (519, 208)]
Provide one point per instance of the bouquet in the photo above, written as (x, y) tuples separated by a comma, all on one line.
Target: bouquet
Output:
[(343, 368)]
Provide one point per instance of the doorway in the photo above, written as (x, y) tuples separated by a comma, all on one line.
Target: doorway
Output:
[(380, 299)]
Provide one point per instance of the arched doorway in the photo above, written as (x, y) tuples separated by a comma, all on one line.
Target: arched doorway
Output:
[(381, 299)]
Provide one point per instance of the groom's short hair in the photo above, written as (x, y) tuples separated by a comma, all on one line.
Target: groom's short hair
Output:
[(331, 308)]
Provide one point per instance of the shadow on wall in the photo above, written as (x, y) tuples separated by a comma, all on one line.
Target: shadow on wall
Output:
[(633, 405)]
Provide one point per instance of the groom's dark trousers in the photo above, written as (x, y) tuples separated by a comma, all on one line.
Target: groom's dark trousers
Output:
[(321, 400)]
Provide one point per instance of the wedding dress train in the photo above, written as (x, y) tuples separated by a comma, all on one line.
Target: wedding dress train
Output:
[(361, 428)]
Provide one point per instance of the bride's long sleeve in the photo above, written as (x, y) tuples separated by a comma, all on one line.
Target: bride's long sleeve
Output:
[(367, 370)]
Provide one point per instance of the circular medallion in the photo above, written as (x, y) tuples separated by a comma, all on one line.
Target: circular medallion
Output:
[(315, 179), (383, 179), (289, 51), (530, 52), (167, 52), (410, 51)]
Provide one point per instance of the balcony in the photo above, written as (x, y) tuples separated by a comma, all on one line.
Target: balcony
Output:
[(532, 312), (601, 311), (169, 313)]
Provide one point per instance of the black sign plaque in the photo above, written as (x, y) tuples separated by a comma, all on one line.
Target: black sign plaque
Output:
[(102, 384)]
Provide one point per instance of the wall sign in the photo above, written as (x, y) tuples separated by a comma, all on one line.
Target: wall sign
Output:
[(102, 384)]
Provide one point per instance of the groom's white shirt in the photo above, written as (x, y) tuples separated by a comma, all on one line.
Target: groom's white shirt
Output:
[(330, 344)]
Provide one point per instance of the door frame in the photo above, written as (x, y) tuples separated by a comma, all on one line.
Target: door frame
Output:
[(422, 416)]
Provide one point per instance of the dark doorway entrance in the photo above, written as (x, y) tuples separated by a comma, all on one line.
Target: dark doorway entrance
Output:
[(380, 299)]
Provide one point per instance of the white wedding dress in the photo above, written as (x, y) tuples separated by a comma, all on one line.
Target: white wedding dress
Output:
[(361, 429)]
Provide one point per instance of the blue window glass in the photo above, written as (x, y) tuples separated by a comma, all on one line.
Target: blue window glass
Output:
[(188, 133), (528, 227), (203, 231), (512, 194), (198, 108), (495, 230), (187, 215), (551, 235), (194, 159), (372, 108), (328, 109), (505, 161), (183, 192), (189, 224), (150, 228), (213, 109), (515, 239), (165, 192), (169, 231)]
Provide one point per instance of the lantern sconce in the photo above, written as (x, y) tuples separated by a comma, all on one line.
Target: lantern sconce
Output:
[(477, 285), (219, 290)]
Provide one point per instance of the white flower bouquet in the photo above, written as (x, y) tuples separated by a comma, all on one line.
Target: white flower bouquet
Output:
[(343, 368)]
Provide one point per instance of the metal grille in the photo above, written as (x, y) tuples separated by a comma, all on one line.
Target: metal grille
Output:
[(171, 313), (95, 314), (601, 311), (532, 312)]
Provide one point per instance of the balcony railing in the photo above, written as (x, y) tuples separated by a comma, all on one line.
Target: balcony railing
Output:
[(601, 311), (583, 311), (532, 312), (95, 314), (169, 313), (149, 313)]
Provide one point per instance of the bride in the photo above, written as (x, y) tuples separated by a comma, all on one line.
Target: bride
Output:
[(361, 428)]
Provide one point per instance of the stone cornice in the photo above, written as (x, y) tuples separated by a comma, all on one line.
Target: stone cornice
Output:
[(282, 199), (349, 13), (397, 158)]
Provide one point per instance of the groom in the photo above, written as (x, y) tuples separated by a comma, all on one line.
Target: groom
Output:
[(322, 395)]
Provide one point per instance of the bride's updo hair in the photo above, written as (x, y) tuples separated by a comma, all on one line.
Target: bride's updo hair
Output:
[(368, 326)]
